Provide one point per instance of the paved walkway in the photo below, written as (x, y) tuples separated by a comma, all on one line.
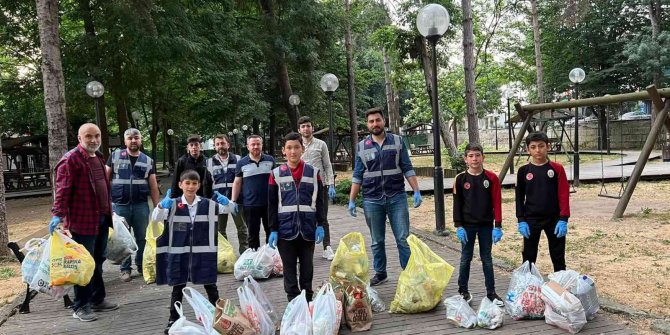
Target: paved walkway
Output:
[(144, 308)]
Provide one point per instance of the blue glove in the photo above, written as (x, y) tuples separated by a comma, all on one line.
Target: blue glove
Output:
[(561, 229), (319, 234), (220, 198), (497, 235), (53, 224), (235, 209), (272, 241), (417, 199), (352, 208), (462, 235), (331, 192), (167, 201), (524, 230)]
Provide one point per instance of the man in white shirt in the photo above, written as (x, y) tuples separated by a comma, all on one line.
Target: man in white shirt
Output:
[(317, 154)]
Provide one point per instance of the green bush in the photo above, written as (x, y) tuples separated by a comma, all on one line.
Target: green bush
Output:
[(342, 190), (457, 162)]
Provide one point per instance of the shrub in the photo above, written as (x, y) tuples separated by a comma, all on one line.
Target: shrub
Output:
[(342, 190)]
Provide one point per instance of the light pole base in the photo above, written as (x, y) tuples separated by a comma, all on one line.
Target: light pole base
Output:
[(440, 232)]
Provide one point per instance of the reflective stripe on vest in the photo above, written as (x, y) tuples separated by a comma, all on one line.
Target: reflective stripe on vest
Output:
[(199, 218), (297, 203), (222, 176), (370, 152), (129, 182)]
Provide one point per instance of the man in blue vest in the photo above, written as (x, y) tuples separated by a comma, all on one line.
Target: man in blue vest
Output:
[(133, 181), (296, 211), (381, 163), (222, 167)]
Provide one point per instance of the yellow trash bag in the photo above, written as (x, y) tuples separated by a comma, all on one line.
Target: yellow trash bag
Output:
[(154, 230), (422, 282), (225, 256), (70, 262), (350, 265)]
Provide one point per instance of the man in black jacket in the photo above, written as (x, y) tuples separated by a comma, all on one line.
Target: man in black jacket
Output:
[(193, 160)]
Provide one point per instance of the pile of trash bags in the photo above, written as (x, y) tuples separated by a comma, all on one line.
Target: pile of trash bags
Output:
[(488, 316), (225, 256), (422, 282), (259, 264), (120, 243)]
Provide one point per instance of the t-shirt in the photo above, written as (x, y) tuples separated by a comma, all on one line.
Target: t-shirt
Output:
[(477, 199), (542, 191), (100, 183), (255, 176)]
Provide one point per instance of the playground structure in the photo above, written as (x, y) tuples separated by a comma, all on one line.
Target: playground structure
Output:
[(660, 119)]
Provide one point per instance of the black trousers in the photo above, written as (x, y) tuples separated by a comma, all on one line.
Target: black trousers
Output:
[(297, 255), (178, 295), (253, 216), (556, 245), (326, 226)]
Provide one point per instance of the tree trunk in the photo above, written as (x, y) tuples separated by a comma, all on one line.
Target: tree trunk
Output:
[(53, 80), (655, 18), (538, 53), (469, 66), (120, 100), (394, 114), (427, 74), (4, 231), (280, 64), (351, 92)]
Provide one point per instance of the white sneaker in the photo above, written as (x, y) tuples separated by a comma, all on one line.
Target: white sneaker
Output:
[(329, 254)]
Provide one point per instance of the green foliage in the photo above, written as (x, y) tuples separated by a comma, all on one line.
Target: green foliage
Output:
[(6, 273), (342, 191), (457, 162)]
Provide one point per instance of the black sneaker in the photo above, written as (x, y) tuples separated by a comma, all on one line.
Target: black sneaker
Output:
[(466, 296), (496, 299), (378, 279), (167, 329)]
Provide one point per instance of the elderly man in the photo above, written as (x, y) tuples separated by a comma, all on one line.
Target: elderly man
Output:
[(82, 202), (133, 180)]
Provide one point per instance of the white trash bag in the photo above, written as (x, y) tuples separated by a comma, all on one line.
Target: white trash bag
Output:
[(31, 261), (324, 316), (585, 291), (566, 278), (490, 315), (262, 299), (121, 242), (183, 326), (254, 311), (459, 312), (41, 281), (296, 319), (562, 308), (204, 310), (523, 299)]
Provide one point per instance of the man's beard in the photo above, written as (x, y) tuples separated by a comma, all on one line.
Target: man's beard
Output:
[(134, 148), (377, 131), (222, 152), (91, 148)]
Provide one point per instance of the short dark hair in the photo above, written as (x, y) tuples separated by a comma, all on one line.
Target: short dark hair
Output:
[(304, 119), (254, 136), (222, 137), (376, 110), (189, 175), (537, 136), (193, 138), (292, 136), (473, 147)]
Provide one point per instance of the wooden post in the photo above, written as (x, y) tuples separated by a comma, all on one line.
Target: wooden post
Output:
[(517, 141), (644, 155)]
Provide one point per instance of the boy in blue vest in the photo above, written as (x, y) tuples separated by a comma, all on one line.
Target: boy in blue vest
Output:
[(295, 210), (477, 215), (187, 249)]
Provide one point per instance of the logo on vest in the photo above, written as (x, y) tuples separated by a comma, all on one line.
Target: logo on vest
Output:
[(466, 186), (180, 205), (486, 184), (124, 153), (283, 168), (529, 176), (550, 173), (368, 142)]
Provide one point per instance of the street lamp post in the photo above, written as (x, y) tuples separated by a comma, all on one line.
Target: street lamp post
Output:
[(96, 90), (136, 118), (495, 119), (577, 75), (432, 22), (294, 100), (235, 132), (329, 84), (508, 94)]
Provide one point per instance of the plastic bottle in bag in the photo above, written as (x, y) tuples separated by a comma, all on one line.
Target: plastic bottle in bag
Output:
[(585, 291)]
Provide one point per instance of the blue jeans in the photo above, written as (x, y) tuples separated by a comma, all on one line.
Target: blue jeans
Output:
[(376, 211), (137, 217), (485, 235), (94, 292)]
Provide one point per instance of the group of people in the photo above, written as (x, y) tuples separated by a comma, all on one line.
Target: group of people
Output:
[(289, 201)]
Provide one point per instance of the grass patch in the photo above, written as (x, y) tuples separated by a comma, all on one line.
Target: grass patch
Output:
[(6, 273)]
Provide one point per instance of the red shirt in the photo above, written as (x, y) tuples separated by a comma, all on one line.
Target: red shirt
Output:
[(76, 198), (296, 173)]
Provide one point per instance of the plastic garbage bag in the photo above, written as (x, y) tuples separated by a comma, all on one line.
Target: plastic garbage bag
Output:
[(254, 312), (351, 263), (154, 230), (324, 315), (204, 310), (490, 315), (422, 282), (258, 264), (120, 243), (71, 263), (229, 320), (524, 299), (31, 262), (296, 319), (562, 308), (183, 326), (262, 299), (41, 281), (225, 256), (585, 291), (277, 265), (375, 300), (459, 312), (566, 278)]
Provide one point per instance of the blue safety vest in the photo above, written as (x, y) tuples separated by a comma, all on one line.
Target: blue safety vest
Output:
[(186, 251), (130, 184), (382, 176), (223, 176), (297, 203)]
